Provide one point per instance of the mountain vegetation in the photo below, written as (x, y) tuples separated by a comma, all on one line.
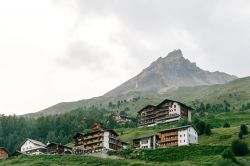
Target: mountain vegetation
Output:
[(215, 105), (221, 114), (155, 82)]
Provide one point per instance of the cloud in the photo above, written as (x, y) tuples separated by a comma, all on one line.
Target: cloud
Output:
[(64, 50), (83, 55)]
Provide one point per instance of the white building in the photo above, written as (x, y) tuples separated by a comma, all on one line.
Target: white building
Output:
[(180, 136), (166, 111), (31, 146), (149, 142)]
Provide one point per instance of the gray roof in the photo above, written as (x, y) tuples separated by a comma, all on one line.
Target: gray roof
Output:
[(142, 137), (36, 142), (181, 127)]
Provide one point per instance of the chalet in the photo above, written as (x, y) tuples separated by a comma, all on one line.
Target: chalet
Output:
[(148, 142), (31, 146), (180, 136), (97, 140), (55, 148), (4, 154), (166, 111)]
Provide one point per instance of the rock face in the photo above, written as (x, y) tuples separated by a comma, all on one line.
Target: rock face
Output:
[(170, 72)]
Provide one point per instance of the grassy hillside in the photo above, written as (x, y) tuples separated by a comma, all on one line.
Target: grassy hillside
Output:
[(220, 136), (236, 93), (216, 120), (183, 156), (223, 136), (70, 160), (208, 152)]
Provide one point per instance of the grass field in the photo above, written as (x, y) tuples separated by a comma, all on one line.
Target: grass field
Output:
[(234, 118), (184, 156), (223, 136)]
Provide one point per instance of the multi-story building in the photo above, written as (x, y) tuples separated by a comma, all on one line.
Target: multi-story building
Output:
[(166, 111), (97, 140), (148, 142), (185, 135)]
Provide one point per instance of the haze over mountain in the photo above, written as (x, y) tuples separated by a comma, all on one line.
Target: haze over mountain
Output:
[(171, 72), (161, 76)]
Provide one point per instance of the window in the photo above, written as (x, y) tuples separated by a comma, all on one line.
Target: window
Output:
[(180, 141), (184, 135), (184, 140), (180, 135)]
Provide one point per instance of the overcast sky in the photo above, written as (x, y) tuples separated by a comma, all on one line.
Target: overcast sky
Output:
[(65, 50)]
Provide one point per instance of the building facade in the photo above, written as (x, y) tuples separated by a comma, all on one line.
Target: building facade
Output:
[(31, 146), (97, 140), (4, 154), (55, 148), (167, 111), (181, 136), (149, 142)]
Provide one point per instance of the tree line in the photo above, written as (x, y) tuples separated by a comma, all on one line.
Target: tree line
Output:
[(58, 128)]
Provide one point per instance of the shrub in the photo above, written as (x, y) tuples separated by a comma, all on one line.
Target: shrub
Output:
[(226, 125), (228, 155), (201, 127), (239, 148), (243, 128), (207, 130), (240, 135)]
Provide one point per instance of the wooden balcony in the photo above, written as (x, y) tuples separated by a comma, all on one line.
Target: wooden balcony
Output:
[(169, 133), (93, 136), (169, 140), (93, 142), (169, 145)]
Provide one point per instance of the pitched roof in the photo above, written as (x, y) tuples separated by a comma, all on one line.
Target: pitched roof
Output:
[(35, 142), (145, 137), (53, 143), (77, 135), (147, 106), (163, 102), (2, 148), (93, 132), (181, 127), (168, 100)]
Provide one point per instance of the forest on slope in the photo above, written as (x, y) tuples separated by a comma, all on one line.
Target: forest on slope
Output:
[(214, 104)]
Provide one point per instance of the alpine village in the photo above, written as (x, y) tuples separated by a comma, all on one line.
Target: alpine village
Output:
[(194, 125)]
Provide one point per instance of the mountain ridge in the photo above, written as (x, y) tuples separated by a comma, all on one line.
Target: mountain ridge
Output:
[(148, 75), (172, 71)]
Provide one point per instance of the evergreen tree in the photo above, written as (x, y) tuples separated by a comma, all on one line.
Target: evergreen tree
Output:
[(244, 129), (207, 130), (228, 155), (226, 125), (239, 148), (240, 135)]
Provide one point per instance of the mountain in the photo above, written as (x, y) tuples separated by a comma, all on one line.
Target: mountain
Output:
[(170, 72), (165, 78)]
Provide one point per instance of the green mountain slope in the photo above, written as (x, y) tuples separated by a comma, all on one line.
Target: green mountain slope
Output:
[(235, 92)]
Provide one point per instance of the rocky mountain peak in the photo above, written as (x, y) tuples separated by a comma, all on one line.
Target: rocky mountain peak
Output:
[(174, 55), (170, 72)]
